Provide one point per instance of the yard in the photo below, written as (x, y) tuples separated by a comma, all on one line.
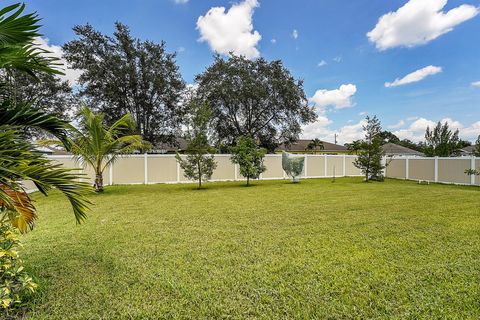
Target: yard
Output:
[(274, 250)]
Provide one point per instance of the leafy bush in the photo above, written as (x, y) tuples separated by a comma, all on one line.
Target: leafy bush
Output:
[(15, 283), (249, 157), (293, 165)]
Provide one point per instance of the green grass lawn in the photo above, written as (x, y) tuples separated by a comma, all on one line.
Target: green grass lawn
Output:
[(275, 250)]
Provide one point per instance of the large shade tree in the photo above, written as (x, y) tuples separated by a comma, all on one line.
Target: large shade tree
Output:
[(258, 99), (122, 74), (48, 92)]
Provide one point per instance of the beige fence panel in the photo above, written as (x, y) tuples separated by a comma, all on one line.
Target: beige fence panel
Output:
[(350, 169), (477, 166), (334, 166), (274, 167), (225, 168), (396, 169), (161, 169), (315, 166), (421, 169), (453, 170), (129, 170)]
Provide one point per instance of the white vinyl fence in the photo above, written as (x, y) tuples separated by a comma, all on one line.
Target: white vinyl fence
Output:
[(441, 170), (153, 169)]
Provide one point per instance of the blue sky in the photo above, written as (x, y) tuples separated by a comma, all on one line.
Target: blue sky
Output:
[(323, 42)]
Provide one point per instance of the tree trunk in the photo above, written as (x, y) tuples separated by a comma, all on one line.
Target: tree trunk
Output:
[(98, 182), (199, 175), (248, 181)]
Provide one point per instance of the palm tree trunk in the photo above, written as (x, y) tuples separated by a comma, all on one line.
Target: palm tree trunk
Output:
[(98, 182)]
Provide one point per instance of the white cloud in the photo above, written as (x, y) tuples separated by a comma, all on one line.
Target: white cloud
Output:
[(322, 63), (295, 34), (399, 124), (232, 30), (476, 84), (273, 41), (339, 98), (414, 76), (181, 1), (416, 130), (71, 75), (418, 22), (337, 59), (321, 130)]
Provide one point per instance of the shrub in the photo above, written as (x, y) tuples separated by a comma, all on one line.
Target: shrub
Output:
[(293, 165), (249, 157), (15, 283)]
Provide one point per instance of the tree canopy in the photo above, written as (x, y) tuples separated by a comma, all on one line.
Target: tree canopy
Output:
[(122, 74), (259, 99), (370, 152), (441, 141)]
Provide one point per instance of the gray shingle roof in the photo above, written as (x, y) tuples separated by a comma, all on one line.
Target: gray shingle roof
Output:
[(395, 149)]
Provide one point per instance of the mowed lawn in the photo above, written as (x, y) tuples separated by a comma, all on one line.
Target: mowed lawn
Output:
[(275, 250)]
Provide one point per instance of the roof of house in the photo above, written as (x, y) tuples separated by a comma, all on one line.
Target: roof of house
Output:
[(179, 145), (301, 145), (468, 150), (395, 149)]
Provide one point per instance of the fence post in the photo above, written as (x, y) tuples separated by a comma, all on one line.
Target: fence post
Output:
[(436, 169), (145, 165), (110, 169), (325, 164), (472, 166), (305, 166), (384, 164), (178, 171), (344, 165), (406, 168)]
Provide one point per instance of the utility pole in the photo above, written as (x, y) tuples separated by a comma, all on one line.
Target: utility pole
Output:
[(336, 135)]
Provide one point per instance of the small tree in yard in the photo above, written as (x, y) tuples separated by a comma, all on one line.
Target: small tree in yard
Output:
[(249, 157), (370, 152), (200, 163), (97, 145)]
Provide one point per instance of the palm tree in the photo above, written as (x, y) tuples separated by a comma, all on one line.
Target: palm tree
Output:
[(98, 145), (18, 159), (315, 145)]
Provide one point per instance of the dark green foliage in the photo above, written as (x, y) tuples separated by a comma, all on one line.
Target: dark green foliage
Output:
[(249, 157), (122, 74), (370, 152), (49, 94), (389, 137), (199, 163), (259, 99), (441, 141)]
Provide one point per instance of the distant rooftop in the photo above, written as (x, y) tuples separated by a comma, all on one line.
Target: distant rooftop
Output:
[(392, 149), (302, 144)]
